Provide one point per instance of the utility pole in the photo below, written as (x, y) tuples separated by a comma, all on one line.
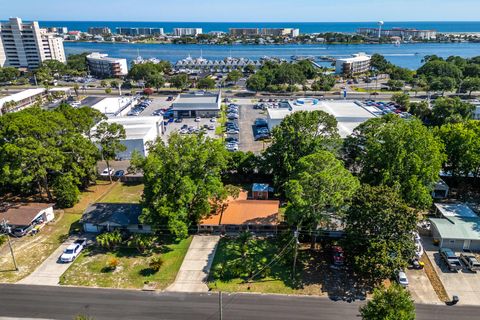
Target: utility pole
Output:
[(220, 298), (295, 234), (7, 229)]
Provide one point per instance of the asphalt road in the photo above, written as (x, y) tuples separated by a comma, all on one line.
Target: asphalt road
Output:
[(39, 302)]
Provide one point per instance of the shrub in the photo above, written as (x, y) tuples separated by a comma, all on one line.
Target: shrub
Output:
[(113, 263), (3, 239), (156, 263), (109, 240)]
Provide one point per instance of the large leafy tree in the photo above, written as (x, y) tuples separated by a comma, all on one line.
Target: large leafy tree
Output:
[(397, 153), (379, 228), (109, 138), (298, 135), (180, 81), (451, 110), (462, 146), (182, 180), (319, 186), (394, 303)]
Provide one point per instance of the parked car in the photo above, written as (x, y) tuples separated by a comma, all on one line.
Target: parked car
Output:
[(232, 131), (449, 257), (338, 256), (231, 139), (232, 147), (71, 253), (198, 119), (213, 120), (402, 279), (107, 172), (170, 98), (21, 231), (211, 127), (232, 116), (470, 261), (261, 122), (179, 120)]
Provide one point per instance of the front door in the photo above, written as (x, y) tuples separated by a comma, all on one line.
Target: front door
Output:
[(466, 245)]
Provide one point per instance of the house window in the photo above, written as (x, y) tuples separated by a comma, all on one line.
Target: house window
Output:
[(140, 227)]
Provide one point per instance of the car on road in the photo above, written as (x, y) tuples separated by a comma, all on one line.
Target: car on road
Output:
[(71, 252), (402, 279), (450, 259), (107, 172), (170, 98), (470, 261)]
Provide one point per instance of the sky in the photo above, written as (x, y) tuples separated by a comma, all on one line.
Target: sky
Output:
[(242, 10)]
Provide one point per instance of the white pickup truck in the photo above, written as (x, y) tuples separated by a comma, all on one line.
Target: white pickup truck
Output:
[(73, 250), (470, 261)]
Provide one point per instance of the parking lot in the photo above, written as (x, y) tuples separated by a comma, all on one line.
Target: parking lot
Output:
[(464, 283), (247, 116), (157, 103), (190, 123)]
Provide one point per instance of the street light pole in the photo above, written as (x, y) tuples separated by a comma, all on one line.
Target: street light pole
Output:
[(220, 302), (7, 229)]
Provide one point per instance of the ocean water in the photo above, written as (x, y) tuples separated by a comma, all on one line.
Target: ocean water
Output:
[(305, 27), (405, 55)]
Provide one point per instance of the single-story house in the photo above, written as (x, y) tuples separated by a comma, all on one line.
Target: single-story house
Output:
[(103, 217), (197, 104), (236, 215), (457, 227), (21, 218), (260, 191)]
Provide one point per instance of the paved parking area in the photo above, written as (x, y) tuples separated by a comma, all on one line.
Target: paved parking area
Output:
[(173, 126), (464, 284), (247, 116), (420, 287), (157, 103)]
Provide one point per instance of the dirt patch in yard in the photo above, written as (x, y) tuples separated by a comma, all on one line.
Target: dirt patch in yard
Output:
[(435, 279)]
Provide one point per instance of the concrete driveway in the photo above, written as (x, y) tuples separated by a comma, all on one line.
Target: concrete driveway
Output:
[(50, 271), (193, 274), (420, 287), (464, 284)]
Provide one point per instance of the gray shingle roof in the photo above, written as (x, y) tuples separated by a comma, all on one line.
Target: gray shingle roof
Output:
[(122, 214)]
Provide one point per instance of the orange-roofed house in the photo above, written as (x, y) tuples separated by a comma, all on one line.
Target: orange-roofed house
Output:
[(241, 214)]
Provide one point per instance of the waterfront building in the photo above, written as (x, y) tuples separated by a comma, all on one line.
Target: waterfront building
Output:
[(225, 65), (21, 100), (140, 31), (104, 66), (357, 64), (280, 32), (98, 31), (25, 45), (180, 32), (403, 33), (58, 30), (237, 32)]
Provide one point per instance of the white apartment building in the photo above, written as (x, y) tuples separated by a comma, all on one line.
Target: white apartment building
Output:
[(180, 32), (357, 64), (25, 45), (102, 65)]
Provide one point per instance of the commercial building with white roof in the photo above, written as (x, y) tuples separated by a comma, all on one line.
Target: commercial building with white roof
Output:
[(114, 107), (348, 114), (197, 104), (139, 132), (22, 99)]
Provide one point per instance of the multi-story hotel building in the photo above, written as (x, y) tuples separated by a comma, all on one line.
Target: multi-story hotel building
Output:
[(25, 45), (180, 32), (103, 66), (357, 64)]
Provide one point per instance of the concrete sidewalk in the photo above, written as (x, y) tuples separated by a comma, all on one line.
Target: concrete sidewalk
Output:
[(193, 274), (50, 271)]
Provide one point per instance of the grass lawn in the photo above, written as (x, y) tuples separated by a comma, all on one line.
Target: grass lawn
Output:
[(31, 251), (132, 271), (222, 120), (124, 193)]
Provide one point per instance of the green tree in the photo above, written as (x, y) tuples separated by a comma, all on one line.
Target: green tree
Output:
[(250, 68), (462, 146), (420, 109), (234, 76), (394, 303), (144, 71), (451, 110), (256, 82), (77, 62), (324, 83), (402, 99), (443, 84), (298, 135), (395, 85), (180, 81), (206, 83), (9, 74), (141, 242), (470, 84), (108, 90), (109, 137), (65, 191), (439, 69), (397, 153), (103, 83), (114, 84), (319, 187), (182, 177), (378, 230), (156, 81)]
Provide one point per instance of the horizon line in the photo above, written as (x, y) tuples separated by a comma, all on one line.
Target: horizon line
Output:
[(300, 22)]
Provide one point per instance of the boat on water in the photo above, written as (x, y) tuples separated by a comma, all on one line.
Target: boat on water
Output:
[(300, 58)]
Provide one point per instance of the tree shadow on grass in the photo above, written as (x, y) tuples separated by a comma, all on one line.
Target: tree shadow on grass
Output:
[(147, 272)]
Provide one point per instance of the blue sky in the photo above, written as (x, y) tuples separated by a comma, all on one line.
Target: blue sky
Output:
[(243, 10)]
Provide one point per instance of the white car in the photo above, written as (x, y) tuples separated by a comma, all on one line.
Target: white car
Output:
[(107, 172), (211, 127), (213, 120), (418, 250), (71, 253), (198, 119), (402, 279), (232, 147)]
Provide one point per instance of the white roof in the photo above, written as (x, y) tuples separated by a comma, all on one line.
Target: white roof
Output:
[(136, 127), (455, 210), (60, 89), (358, 57), (111, 105), (29, 93), (348, 114)]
